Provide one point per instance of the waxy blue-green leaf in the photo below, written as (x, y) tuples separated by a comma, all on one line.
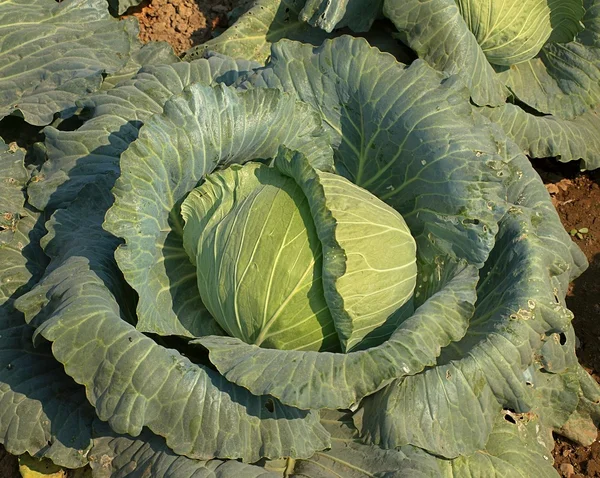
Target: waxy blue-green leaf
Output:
[(327, 380), (516, 313), (153, 53), (91, 153), (121, 6), (513, 449), (407, 135), (446, 410), (251, 36), (439, 34), (581, 425), (551, 136), (42, 411), (350, 458), (131, 380), (200, 130), (53, 53), (20, 228), (120, 456), (359, 15)]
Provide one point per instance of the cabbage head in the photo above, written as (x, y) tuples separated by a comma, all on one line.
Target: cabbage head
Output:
[(250, 229)]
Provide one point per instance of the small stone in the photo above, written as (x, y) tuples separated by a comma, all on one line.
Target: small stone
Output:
[(567, 470), (552, 188), (181, 26)]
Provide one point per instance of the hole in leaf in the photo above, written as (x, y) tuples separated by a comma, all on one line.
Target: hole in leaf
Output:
[(562, 339), (510, 419), (269, 405)]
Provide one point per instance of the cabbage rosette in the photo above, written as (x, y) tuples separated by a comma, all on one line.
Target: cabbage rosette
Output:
[(289, 270)]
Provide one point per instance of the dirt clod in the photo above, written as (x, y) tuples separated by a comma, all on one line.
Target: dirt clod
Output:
[(182, 23)]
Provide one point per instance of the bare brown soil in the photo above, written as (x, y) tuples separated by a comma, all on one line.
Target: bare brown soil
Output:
[(182, 23), (9, 465)]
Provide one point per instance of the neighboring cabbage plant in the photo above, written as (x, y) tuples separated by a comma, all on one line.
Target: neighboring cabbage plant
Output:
[(331, 265), (531, 66)]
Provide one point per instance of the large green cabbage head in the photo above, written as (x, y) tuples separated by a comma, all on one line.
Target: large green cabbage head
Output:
[(512, 31), (293, 258)]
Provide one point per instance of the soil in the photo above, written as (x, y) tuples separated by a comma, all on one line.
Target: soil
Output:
[(9, 464), (182, 23)]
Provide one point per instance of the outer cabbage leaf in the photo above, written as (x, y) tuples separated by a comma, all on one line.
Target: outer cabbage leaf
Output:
[(57, 52), (350, 458), (153, 53), (446, 410), (130, 380), (121, 6), (42, 411), (438, 33), (513, 449), (564, 79), (406, 134), (551, 136), (581, 425), (251, 36), (91, 153), (203, 129), (120, 456), (520, 309), (359, 15)]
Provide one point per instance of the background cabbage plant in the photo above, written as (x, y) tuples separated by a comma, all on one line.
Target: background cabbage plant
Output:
[(123, 345), (532, 67)]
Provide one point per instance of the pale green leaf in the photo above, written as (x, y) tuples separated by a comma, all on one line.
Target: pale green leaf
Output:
[(360, 236), (564, 78), (511, 32), (251, 36), (249, 233)]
